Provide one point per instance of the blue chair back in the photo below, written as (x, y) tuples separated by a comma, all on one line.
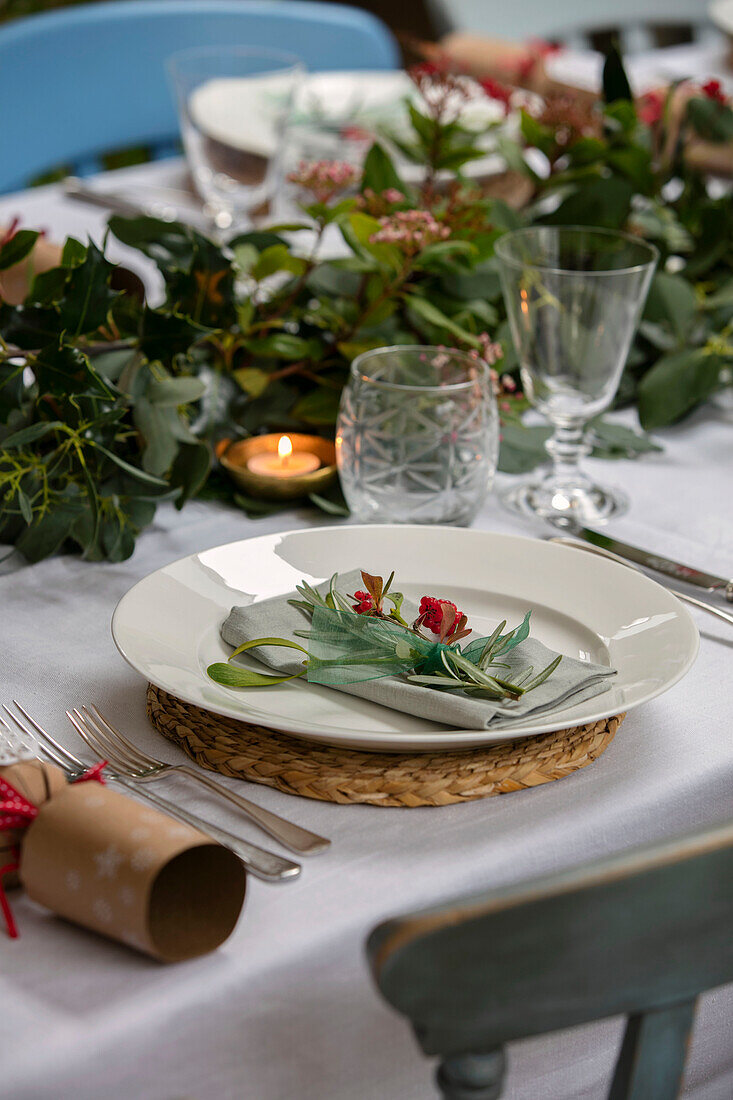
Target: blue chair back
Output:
[(78, 82)]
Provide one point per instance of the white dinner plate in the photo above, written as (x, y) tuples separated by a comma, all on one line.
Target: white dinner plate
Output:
[(167, 626)]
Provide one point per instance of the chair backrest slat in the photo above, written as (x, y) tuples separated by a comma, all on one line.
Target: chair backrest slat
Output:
[(100, 81), (641, 932)]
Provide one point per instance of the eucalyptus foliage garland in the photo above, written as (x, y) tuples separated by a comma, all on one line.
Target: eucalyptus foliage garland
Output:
[(109, 406)]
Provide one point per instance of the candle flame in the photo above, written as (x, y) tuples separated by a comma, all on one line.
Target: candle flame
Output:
[(284, 448)]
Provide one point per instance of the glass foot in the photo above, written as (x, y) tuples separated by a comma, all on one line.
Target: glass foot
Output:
[(583, 504)]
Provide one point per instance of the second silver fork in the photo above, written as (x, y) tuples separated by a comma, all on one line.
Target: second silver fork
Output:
[(109, 744)]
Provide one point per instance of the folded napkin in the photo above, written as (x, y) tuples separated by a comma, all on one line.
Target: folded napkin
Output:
[(572, 681)]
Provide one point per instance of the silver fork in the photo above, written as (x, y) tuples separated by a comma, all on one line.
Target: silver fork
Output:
[(103, 739), (263, 864)]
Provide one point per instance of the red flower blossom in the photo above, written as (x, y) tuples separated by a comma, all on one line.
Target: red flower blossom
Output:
[(431, 612), (494, 89), (651, 107), (425, 68), (713, 90), (442, 617)]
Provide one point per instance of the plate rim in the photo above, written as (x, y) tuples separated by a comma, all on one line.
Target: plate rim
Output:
[(461, 738)]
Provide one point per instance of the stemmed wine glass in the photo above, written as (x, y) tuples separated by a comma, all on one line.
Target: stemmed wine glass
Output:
[(234, 106), (574, 296)]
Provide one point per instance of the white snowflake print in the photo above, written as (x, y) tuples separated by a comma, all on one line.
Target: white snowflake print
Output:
[(108, 862), (102, 910), (142, 859), (127, 896), (140, 834), (73, 881), (179, 831), (93, 799)]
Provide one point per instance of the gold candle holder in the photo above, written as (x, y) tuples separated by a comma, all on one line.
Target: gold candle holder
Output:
[(235, 456)]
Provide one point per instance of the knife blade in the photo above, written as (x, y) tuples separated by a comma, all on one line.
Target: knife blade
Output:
[(656, 562)]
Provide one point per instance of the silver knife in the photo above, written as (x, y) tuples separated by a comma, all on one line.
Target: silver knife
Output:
[(657, 562), (118, 203)]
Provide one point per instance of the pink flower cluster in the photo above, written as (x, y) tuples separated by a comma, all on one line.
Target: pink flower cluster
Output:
[(324, 178), (489, 350), (410, 229)]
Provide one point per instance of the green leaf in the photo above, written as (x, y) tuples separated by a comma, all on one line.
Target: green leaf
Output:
[(522, 448), (234, 676), (74, 253), (425, 309), (536, 134), (282, 345), (615, 81), (603, 202), (190, 470), (258, 238), (170, 245), (134, 471), (480, 282), (379, 172), (255, 643), (714, 234), (671, 300), (46, 535), (17, 248), (12, 389), (161, 445), (29, 327), (48, 286), (676, 384), (87, 298), (254, 508), (713, 121), (423, 126), (320, 406), (25, 506), (331, 501), (31, 434), (175, 391), (60, 370), (253, 380), (611, 440), (164, 335), (277, 257)]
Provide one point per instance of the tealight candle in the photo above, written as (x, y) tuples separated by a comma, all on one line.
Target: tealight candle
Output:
[(285, 462), (279, 467)]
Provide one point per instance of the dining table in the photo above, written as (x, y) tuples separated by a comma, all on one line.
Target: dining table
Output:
[(286, 1008)]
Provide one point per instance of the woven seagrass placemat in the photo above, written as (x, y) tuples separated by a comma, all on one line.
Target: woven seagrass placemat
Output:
[(334, 774)]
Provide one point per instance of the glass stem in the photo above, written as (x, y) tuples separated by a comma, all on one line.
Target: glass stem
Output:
[(566, 447)]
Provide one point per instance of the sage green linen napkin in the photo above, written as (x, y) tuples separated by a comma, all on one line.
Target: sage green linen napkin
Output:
[(572, 681)]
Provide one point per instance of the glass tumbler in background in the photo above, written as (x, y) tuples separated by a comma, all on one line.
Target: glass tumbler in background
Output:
[(417, 436), (574, 298), (234, 104)]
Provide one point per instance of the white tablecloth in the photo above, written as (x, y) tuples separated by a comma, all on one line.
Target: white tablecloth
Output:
[(286, 1009)]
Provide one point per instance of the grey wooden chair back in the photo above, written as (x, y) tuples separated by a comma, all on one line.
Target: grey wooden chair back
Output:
[(642, 934), (636, 24)]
